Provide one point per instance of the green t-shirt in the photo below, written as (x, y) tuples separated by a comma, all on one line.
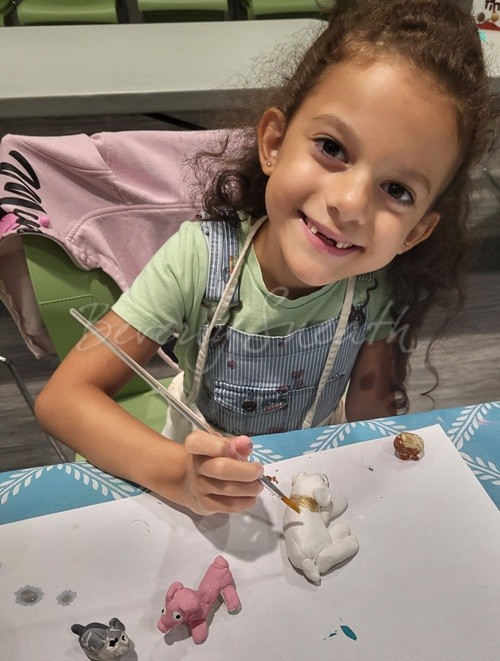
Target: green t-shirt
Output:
[(167, 295)]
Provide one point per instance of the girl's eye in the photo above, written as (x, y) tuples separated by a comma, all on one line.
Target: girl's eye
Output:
[(399, 193), (331, 148)]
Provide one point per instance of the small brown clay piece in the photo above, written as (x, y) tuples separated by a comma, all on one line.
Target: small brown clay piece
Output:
[(408, 446)]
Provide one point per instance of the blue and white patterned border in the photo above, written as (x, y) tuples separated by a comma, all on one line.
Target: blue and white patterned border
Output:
[(34, 492)]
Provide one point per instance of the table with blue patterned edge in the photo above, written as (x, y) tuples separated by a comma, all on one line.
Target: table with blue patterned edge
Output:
[(474, 430)]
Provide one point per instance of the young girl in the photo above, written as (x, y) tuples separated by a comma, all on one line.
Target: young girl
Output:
[(324, 243)]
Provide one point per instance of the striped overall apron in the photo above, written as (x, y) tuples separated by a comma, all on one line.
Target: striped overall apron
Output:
[(259, 384)]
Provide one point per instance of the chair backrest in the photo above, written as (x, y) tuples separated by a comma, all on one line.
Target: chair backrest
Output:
[(159, 11), (79, 218), (110, 201), (262, 9), (60, 285), (48, 12)]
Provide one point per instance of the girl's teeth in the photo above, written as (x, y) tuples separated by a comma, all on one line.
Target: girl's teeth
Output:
[(340, 244)]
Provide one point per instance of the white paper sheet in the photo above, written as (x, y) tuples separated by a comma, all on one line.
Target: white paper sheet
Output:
[(424, 585)]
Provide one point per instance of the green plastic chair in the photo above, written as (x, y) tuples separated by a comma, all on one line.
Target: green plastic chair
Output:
[(48, 12), (264, 9), (60, 285), (177, 11)]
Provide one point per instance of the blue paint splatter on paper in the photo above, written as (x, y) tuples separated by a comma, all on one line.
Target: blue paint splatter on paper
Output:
[(334, 633), (348, 632)]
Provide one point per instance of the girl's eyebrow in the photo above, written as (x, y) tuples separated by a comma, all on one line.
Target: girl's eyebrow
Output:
[(416, 176), (339, 125)]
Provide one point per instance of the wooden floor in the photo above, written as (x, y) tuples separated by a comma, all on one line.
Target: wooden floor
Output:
[(468, 359)]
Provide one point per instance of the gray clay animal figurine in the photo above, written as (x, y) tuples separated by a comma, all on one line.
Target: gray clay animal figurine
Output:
[(102, 642)]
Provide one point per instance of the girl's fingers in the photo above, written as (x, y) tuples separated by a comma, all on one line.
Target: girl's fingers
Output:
[(214, 495), (218, 476), (209, 445), (228, 488), (221, 458), (227, 469), (211, 504), (242, 445)]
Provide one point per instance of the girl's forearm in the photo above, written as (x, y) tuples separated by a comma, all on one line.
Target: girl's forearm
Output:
[(92, 424)]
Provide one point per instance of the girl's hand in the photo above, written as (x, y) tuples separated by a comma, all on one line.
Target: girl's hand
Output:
[(216, 478)]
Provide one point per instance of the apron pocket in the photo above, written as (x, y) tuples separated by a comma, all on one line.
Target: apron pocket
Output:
[(250, 400), (248, 410)]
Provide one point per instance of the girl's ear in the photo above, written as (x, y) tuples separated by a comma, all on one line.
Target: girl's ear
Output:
[(270, 134), (422, 231)]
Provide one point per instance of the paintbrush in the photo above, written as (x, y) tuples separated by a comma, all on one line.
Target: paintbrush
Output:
[(184, 410)]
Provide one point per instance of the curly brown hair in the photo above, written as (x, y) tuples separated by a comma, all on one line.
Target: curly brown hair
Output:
[(442, 41)]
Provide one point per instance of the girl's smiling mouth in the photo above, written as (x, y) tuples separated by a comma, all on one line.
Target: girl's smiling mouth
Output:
[(318, 235)]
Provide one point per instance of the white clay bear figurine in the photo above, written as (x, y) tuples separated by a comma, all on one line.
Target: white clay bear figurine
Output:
[(310, 545)]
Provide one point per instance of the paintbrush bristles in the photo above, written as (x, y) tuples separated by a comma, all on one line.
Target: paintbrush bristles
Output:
[(291, 504)]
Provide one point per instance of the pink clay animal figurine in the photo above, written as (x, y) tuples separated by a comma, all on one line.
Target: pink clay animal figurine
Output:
[(191, 607)]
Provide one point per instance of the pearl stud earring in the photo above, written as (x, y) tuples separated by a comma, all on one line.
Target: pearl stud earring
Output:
[(269, 163)]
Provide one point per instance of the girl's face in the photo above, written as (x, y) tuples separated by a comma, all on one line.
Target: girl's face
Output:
[(353, 176)]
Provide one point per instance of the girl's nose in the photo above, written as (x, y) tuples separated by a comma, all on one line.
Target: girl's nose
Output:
[(349, 197)]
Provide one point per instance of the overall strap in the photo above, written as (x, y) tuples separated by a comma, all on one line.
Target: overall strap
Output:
[(225, 301), (223, 248), (334, 348)]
